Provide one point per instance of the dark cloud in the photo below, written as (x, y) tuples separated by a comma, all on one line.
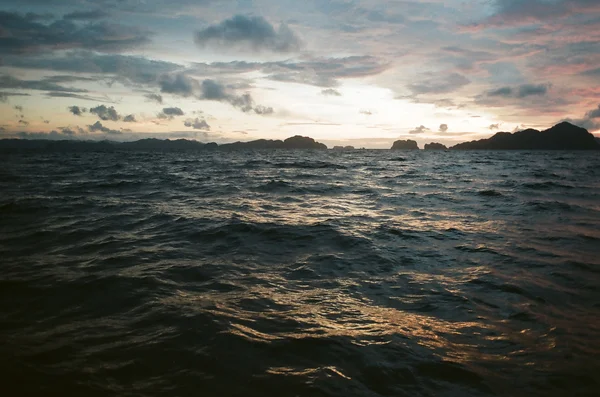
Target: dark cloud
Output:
[(197, 124), (593, 114), (76, 110), (105, 113), (504, 91), (521, 91), (439, 84), (249, 33), (179, 84), (330, 92), (508, 13), (443, 128), (320, 72), (67, 131), (589, 121), (419, 130), (532, 89), (5, 95), (18, 108), (130, 119), (98, 127), (173, 111), (52, 135), (87, 15), (24, 122), (494, 127), (263, 110), (76, 96), (23, 35), (215, 91), (155, 98), (125, 68), (10, 82)]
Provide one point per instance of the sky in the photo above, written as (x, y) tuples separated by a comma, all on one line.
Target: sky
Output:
[(361, 73)]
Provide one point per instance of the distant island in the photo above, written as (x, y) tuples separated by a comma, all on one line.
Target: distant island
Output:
[(435, 146), (343, 148), (153, 144), (295, 142), (408, 144), (563, 136)]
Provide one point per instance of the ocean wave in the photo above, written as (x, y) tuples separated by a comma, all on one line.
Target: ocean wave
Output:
[(293, 273)]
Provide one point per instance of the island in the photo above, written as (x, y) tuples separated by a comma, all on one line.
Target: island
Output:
[(153, 144), (295, 142), (563, 136), (343, 148), (408, 144), (435, 146)]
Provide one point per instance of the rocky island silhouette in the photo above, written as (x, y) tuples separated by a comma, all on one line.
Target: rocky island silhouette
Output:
[(563, 136)]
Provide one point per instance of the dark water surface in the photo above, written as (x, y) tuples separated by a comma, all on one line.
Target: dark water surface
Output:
[(282, 273)]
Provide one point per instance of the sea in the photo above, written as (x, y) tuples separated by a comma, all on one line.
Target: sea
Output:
[(300, 273)]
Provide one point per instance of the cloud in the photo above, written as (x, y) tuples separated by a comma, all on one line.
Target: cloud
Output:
[(76, 96), (23, 35), (521, 91), (365, 112), (330, 92), (419, 130), (589, 121), (86, 15), (24, 122), (249, 33), (443, 128), (173, 111), (593, 114), (130, 119), (46, 84), (263, 110), (439, 84), (97, 126), (18, 108), (179, 84), (532, 89), (197, 124), (67, 131), (105, 113), (510, 13), (77, 111), (215, 91), (494, 127), (125, 68), (5, 95), (155, 98), (319, 72), (52, 135), (503, 91)]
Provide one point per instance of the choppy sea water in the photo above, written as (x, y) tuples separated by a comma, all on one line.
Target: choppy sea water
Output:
[(284, 273)]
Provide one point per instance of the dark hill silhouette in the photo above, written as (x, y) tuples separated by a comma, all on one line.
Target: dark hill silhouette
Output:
[(295, 142), (435, 146), (405, 145), (152, 144), (563, 136)]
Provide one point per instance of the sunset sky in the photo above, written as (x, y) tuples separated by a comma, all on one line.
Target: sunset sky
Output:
[(361, 73)]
